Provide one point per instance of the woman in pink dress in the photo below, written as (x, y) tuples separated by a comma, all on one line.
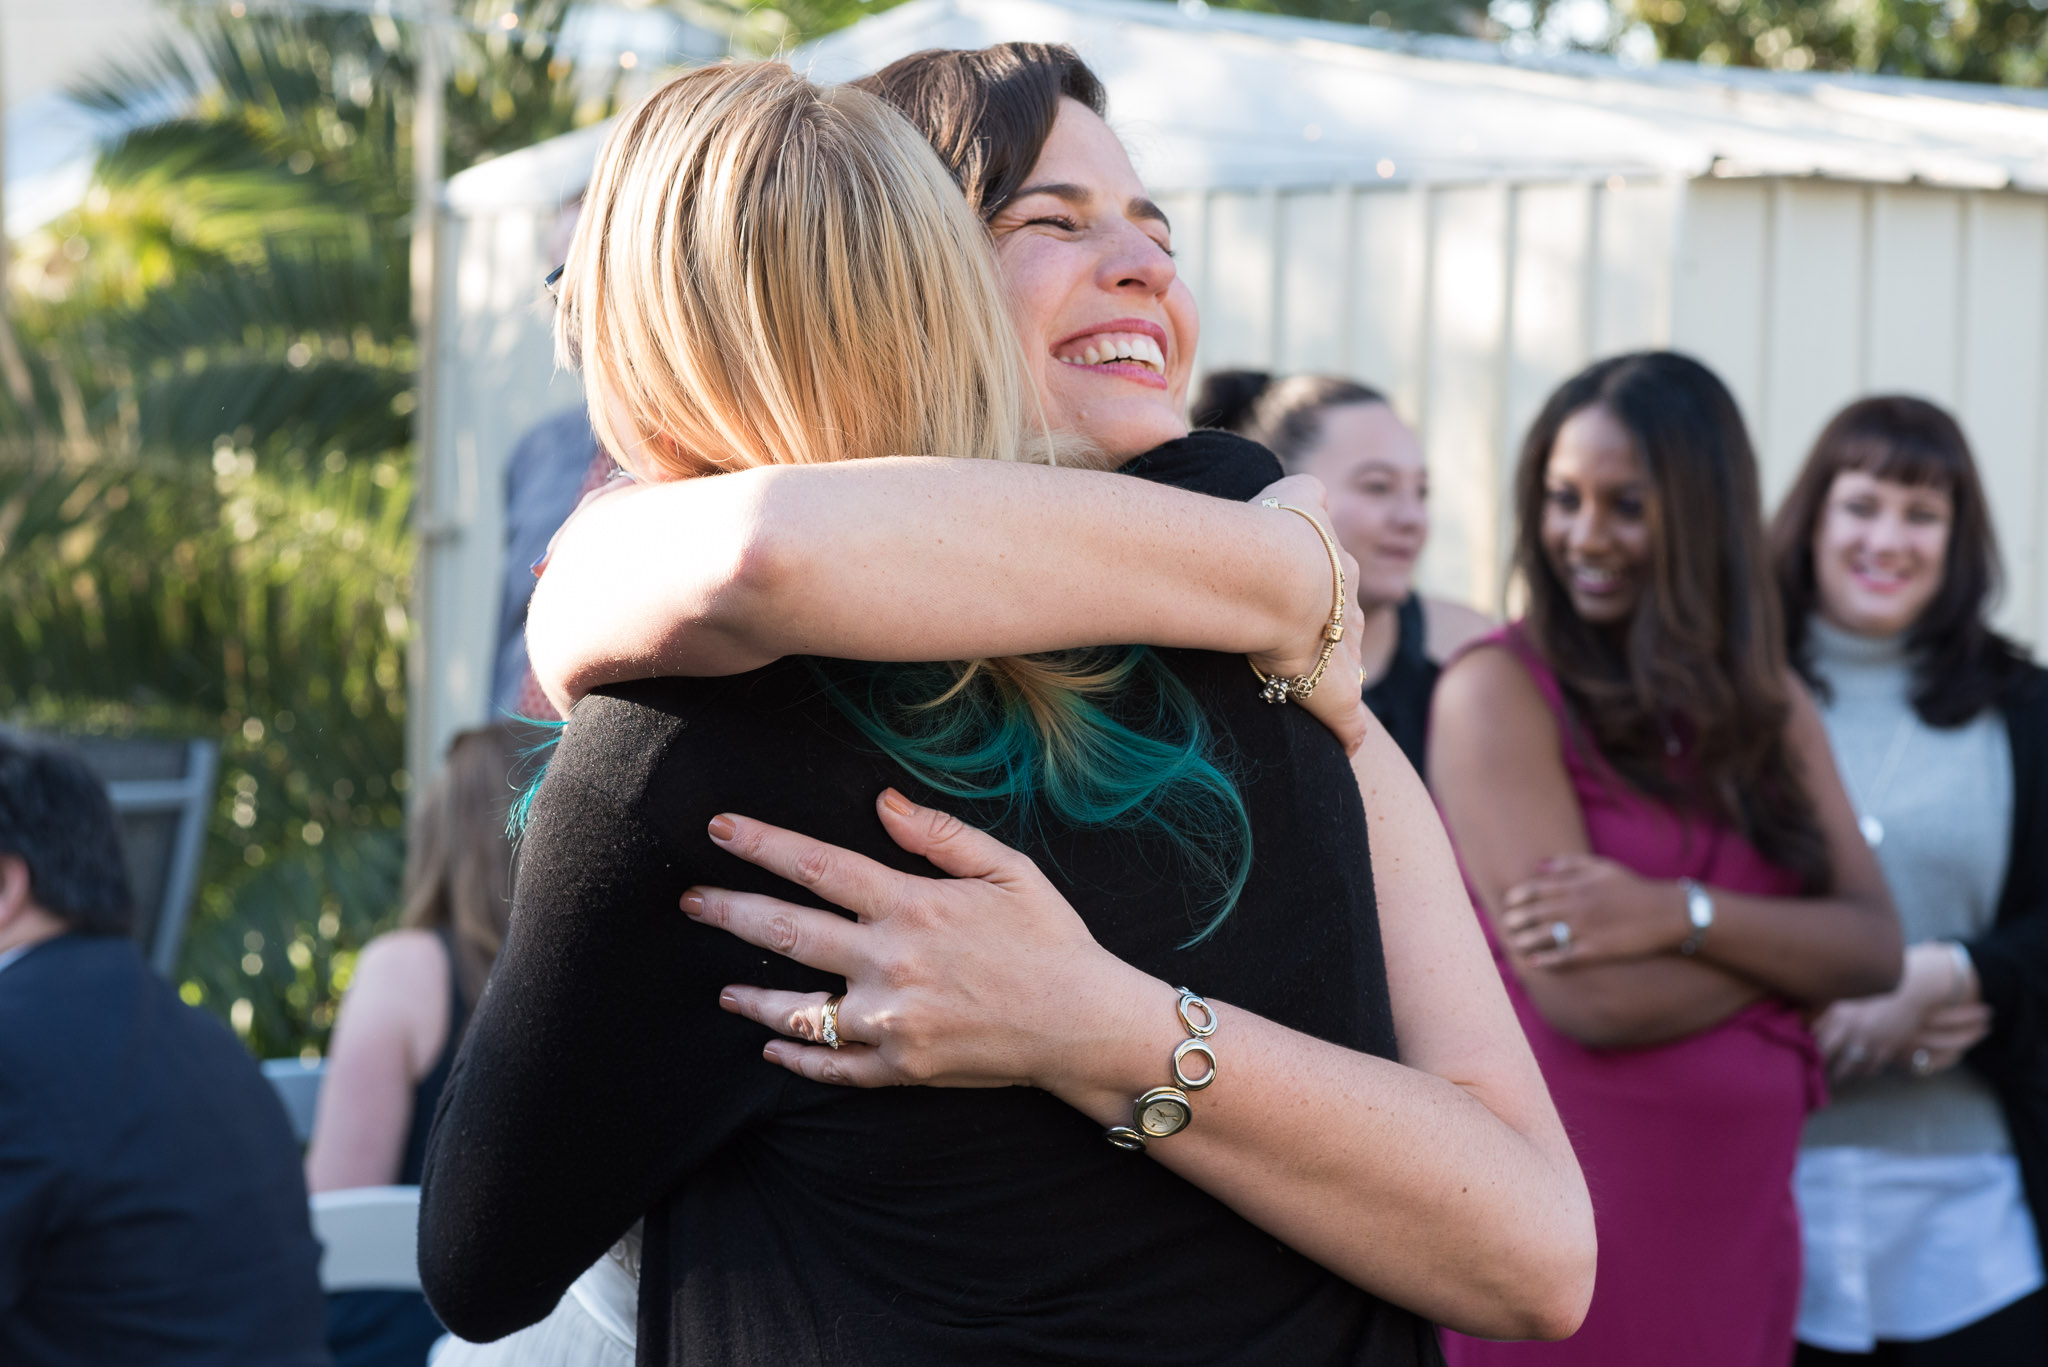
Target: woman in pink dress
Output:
[(1649, 818)]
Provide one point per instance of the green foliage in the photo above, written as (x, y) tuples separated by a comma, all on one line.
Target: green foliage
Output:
[(2003, 41), (206, 459)]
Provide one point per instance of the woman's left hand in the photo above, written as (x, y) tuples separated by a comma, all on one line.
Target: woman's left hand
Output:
[(1925, 1024), (984, 979), (1582, 909)]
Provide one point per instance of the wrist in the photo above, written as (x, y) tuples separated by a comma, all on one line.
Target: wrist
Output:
[(1120, 1042)]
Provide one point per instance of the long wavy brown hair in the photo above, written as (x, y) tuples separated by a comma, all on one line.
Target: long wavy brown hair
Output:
[(1700, 667)]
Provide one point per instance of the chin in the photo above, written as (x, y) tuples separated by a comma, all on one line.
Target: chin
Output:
[(1603, 612)]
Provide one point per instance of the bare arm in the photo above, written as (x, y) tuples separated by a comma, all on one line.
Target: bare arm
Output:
[(1443, 1182), (392, 1025), (1495, 755), (1620, 981), (915, 558)]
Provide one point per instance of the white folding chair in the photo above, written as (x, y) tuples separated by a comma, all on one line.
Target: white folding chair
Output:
[(298, 1086), (369, 1238)]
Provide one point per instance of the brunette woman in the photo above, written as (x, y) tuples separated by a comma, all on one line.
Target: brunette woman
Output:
[(1921, 1246), (793, 1222), (1348, 436), (399, 1024), (1649, 819)]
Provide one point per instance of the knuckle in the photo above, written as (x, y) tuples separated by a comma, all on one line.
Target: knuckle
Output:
[(945, 826), (813, 865), (782, 933), (833, 1071), (799, 1024)]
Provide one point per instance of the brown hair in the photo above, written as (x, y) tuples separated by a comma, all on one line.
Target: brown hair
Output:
[(1961, 665), (458, 862), (1702, 660), (988, 111), (1285, 415)]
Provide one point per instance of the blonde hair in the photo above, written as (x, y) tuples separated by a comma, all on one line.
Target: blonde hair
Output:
[(769, 272)]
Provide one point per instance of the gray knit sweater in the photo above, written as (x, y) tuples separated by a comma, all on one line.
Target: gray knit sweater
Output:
[(1944, 799)]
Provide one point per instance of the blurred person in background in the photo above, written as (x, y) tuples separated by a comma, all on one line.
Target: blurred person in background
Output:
[(1913, 1184), (1650, 821), (1348, 436), (408, 1000), (151, 1206)]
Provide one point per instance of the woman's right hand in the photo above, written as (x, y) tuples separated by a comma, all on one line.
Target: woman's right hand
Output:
[(1339, 701)]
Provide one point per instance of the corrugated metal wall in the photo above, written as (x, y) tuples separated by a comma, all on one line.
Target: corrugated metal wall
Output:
[(1469, 303)]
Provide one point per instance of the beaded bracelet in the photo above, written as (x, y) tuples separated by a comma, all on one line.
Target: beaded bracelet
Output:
[(1278, 688)]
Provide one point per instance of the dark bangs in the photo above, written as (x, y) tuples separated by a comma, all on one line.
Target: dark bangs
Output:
[(1961, 665)]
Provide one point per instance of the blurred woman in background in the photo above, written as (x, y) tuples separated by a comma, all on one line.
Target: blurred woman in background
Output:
[(1648, 816), (1920, 1247), (1348, 436), (410, 996)]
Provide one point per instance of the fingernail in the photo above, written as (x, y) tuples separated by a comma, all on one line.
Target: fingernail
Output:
[(768, 1052), (693, 903), (722, 827), (896, 802), (727, 1000)]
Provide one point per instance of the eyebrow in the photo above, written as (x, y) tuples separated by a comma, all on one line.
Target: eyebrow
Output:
[(1139, 207)]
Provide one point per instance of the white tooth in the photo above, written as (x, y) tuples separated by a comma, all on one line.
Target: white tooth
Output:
[(1148, 350), (1092, 356), (1123, 349)]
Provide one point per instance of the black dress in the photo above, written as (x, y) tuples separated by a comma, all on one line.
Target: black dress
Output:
[(1400, 697), (792, 1223)]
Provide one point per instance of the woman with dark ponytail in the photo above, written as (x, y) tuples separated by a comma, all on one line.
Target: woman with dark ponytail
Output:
[(1376, 485)]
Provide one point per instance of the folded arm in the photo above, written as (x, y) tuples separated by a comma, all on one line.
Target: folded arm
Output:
[(916, 558), (1497, 759)]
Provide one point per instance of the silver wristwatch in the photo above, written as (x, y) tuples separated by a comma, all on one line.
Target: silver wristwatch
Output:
[(1699, 910)]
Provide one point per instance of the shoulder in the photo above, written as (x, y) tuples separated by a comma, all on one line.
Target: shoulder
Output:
[(1489, 689), (1221, 464), (406, 967), (1449, 627)]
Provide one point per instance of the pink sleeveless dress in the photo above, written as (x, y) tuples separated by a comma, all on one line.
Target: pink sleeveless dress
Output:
[(1687, 1147)]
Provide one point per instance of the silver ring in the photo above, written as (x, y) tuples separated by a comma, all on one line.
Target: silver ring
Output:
[(828, 1032), (1194, 1046), (1561, 935), (1923, 1063)]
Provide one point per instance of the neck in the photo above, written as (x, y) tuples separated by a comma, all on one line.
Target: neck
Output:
[(1380, 638), (29, 927)]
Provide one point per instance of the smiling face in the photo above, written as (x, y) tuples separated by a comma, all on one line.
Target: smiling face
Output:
[(1372, 466), (1880, 552), (1108, 327), (1596, 525)]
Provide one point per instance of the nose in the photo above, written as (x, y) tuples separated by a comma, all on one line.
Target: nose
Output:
[(1410, 513), (1886, 537), (1589, 532), (1133, 262)]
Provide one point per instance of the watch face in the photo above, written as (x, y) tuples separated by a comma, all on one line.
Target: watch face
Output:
[(1160, 1116)]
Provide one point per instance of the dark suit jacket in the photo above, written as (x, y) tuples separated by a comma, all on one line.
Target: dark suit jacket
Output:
[(152, 1209)]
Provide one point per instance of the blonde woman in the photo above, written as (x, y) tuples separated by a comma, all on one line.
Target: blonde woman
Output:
[(761, 258)]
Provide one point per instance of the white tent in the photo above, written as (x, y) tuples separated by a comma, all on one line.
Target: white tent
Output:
[(1461, 228)]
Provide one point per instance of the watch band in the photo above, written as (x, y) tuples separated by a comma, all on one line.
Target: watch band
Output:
[(1699, 911)]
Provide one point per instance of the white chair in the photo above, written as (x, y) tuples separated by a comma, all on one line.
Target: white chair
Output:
[(369, 1238), (298, 1086)]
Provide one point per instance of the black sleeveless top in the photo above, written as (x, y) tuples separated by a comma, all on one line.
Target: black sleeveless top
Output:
[(426, 1095), (1400, 697), (798, 1224)]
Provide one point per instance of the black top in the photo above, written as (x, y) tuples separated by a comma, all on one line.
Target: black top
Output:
[(2012, 957), (151, 1204), (1400, 698), (792, 1223), (426, 1096)]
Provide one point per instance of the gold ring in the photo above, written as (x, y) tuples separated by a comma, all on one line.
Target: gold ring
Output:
[(828, 1032)]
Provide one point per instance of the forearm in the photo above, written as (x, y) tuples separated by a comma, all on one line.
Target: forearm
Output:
[(1636, 1003), (1811, 950), (913, 559), (1398, 1180)]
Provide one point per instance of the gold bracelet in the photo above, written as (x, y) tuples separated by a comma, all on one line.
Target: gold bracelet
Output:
[(1277, 688), (1166, 1111)]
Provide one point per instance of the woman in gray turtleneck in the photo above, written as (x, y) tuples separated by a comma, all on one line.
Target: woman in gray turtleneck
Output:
[(1921, 1246)]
